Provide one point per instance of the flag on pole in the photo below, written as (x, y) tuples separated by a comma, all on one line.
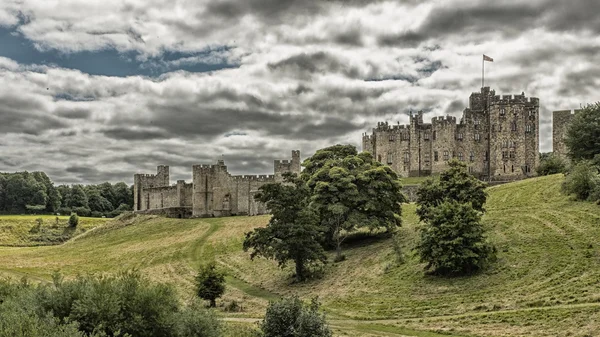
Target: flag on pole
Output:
[(487, 58)]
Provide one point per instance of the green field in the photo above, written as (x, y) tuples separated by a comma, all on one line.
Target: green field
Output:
[(545, 282), (23, 230)]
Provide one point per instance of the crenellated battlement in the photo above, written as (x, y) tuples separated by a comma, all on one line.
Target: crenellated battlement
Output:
[(443, 120), (259, 177), (514, 99)]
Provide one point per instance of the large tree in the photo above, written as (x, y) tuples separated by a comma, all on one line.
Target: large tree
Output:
[(352, 190), (452, 236), (455, 184), (583, 134), (293, 232)]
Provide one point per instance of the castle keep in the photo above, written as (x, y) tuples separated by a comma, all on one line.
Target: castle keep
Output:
[(497, 136), (212, 192)]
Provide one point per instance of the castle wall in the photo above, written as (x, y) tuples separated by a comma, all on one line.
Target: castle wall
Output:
[(144, 181), (560, 123), (498, 138)]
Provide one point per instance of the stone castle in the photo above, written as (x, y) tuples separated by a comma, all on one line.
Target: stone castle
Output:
[(560, 123), (212, 192), (497, 136)]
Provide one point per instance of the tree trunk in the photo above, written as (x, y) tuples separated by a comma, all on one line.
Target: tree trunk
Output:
[(299, 270)]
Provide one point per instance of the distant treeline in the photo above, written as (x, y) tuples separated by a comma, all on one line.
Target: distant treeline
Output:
[(34, 192)]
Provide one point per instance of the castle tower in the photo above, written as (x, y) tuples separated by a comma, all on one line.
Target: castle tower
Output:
[(144, 181), (560, 122)]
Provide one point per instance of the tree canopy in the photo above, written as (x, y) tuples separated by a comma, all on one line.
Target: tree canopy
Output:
[(452, 237), (583, 133), (293, 232)]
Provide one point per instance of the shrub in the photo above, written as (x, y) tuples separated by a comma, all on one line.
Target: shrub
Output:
[(292, 318), (73, 220), (583, 182), (82, 211), (551, 164), (210, 283), (453, 241)]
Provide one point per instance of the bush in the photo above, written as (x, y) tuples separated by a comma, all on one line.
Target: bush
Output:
[(453, 241), (73, 220), (121, 305), (551, 164), (583, 182), (292, 318), (82, 211), (210, 283)]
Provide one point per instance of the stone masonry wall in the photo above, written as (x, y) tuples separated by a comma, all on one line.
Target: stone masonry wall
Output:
[(560, 123)]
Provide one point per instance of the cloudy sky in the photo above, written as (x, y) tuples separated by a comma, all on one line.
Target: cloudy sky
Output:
[(98, 90)]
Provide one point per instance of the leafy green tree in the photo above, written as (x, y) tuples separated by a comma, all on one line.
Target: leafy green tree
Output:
[(551, 164), (453, 240), (352, 190), (583, 134), (210, 283), (292, 318), (98, 203), (453, 184), (452, 237), (293, 232), (77, 197)]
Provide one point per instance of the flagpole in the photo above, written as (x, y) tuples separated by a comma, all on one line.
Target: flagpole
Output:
[(482, 71)]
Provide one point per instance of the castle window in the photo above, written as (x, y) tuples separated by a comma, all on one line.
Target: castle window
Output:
[(434, 135), (446, 155), (426, 136), (477, 122), (472, 156), (502, 112), (406, 157), (435, 156), (504, 154), (512, 168), (470, 169), (487, 156), (460, 136), (529, 128), (460, 156), (513, 126), (427, 158), (391, 138), (512, 144), (477, 137), (389, 158), (504, 168), (512, 154)]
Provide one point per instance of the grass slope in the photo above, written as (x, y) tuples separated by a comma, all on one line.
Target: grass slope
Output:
[(545, 282), (21, 230)]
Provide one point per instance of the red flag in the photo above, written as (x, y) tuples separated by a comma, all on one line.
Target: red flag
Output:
[(487, 58)]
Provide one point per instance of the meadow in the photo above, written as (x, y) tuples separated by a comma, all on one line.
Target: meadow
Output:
[(544, 283), (41, 230)]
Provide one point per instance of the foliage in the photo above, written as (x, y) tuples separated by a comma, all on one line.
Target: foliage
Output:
[(583, 181), (551, 164), (34, 192), (121, 305), (583, 133), (351, 190), (292, 318), (293, 232), (453, 184), (453, 241), (73, 220), (452, 238), (210, 283)]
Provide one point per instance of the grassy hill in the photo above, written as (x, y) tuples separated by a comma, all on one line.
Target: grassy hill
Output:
[(24, 230), (545, 282)]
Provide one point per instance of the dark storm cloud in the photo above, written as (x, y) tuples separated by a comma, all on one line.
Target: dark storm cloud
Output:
[(73, 113), (351, 37), (88, 175), (455, 106), (356, 94), (21, 114), (507, 19), (328, 128), (135, 134), (303, 64), (581, 82)]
